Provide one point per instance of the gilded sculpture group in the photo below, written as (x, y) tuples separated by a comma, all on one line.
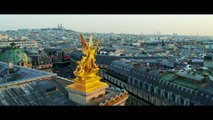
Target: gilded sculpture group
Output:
[(86, 67)]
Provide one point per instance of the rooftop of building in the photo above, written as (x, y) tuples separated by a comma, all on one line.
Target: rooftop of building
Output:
[(78, 54), (193, 76), (20, 73), (178, 84), (173, 78), (167, 63), (38, 56), (40, 92), (35, 87)]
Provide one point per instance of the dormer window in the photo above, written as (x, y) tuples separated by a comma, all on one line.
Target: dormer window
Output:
[(186, 102)]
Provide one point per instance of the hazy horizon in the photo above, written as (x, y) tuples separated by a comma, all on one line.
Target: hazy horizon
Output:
[(130, 24)]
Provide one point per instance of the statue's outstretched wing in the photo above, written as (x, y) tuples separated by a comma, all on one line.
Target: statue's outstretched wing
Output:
[(90, 43), (84, 45)]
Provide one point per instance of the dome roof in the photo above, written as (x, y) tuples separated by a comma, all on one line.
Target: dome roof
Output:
[(13, 54)]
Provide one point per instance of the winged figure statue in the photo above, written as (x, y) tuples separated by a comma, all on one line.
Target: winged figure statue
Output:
[(86, 67)]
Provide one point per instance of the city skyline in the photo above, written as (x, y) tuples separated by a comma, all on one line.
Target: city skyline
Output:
[(132, 24)]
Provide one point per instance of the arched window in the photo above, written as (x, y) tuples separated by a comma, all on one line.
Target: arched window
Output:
[(186, 102), (178, 99)]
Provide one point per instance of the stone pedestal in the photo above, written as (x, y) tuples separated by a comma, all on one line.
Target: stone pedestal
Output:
[(82, 92)]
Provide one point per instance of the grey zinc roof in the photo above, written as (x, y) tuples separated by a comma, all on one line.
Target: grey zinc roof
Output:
[(34, 87), (35, 93), (201, 96), (37, 88), (167, 63), (23, 74)]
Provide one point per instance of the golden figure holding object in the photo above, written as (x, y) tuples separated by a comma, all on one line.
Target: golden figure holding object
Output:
[(86, 79)]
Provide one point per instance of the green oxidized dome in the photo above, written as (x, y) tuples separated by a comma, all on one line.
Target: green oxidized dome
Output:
[(13, 54)]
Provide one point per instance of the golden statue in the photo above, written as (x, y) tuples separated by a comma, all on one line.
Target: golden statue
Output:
[(86, 79), (86, 67)]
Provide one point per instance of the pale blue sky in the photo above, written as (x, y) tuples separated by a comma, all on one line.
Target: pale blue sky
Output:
[(146, 24)]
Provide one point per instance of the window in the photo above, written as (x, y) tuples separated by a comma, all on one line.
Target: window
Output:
[(166, 94), (133, 81), (186, 102), (186, 89), (151, 89), (162, 94), (144, 87), (139, 83), (177, 99), (182, 88), (191, 91), (170, 96), (156, 90)]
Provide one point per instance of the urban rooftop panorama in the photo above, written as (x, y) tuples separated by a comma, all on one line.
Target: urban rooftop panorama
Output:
[(136, 60)]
